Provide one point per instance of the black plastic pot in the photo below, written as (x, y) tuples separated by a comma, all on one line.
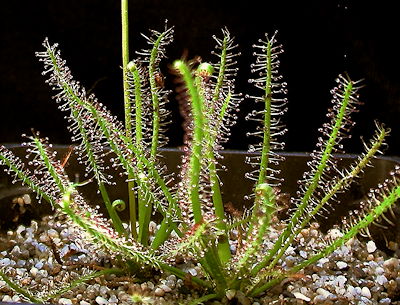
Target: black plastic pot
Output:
[(235, 186)]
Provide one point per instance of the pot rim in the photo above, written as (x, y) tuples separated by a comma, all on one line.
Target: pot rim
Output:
[(303, 154)]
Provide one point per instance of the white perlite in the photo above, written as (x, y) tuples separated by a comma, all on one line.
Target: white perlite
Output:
[(7, 298), (341, 265), (371, 247), (325, 293), (381, 280), (366, 292), (301, 296), (65, 301), (101, 301), (338, 276), (340, 281)]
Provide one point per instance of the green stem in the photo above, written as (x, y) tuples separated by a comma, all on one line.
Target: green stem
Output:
[(266, 203), (223, 244), (221, 72), (116, 220), (204, 298), (125, 61), (198, 119), (162, 233), (224, 250), (184, 275), (212, 263), (154, 97), (137, 83), (127, 107), (146, 207), (266, 146), (138, 109), (173, 208), (205, 70)]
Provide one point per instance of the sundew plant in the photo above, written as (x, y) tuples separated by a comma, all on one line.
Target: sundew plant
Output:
[(194, 225)]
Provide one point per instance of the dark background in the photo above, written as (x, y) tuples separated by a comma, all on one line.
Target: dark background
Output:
[(321, 39)]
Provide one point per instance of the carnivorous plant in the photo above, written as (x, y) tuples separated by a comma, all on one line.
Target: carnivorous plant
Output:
[(194, 225)]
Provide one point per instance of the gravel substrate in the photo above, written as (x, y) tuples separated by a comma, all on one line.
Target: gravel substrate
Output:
[(49, 254)]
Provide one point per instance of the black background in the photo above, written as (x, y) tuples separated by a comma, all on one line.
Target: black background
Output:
[(321, 39)]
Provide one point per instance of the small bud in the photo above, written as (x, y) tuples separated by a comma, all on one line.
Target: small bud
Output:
[(205, 69), (130, 66), (178, 64)]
